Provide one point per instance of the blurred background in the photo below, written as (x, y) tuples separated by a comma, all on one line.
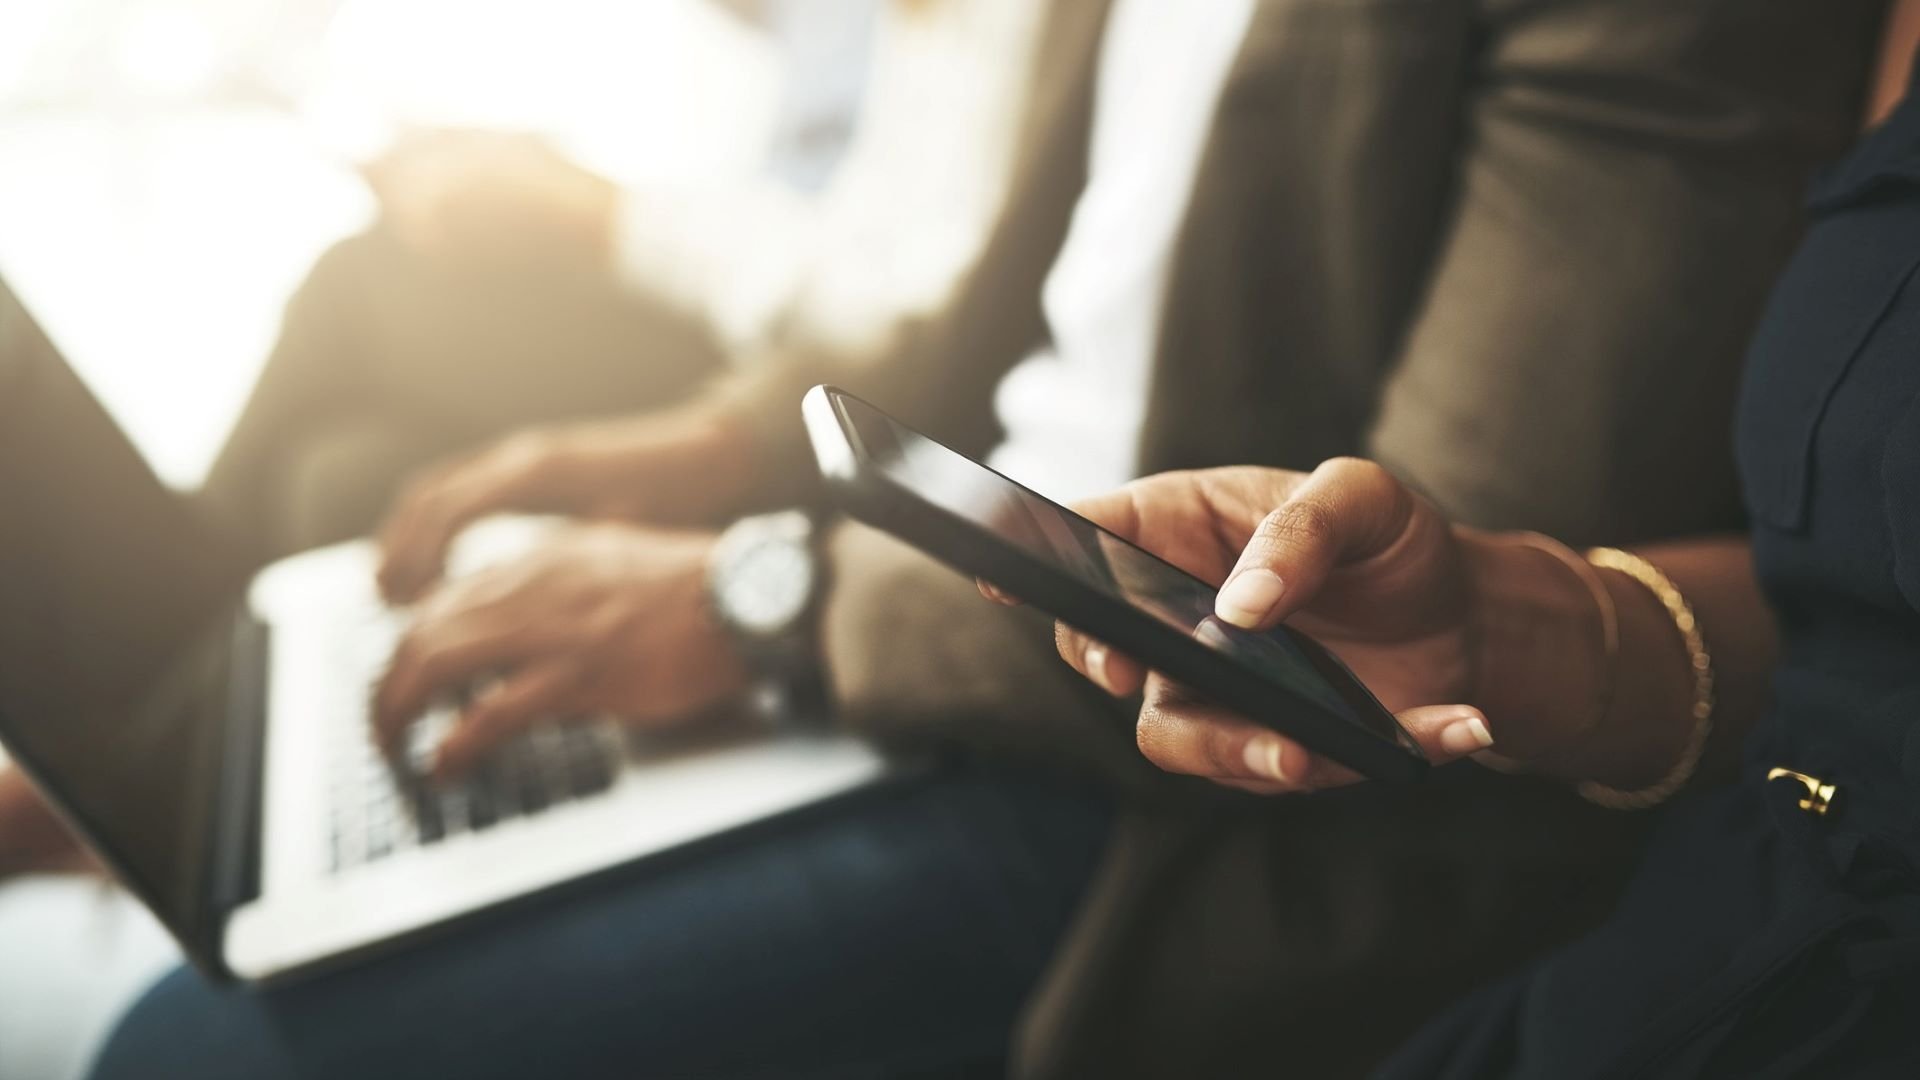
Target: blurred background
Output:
[(280, 228), (173, 168)]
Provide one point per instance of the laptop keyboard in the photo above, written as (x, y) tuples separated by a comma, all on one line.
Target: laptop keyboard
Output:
[(381, 805)]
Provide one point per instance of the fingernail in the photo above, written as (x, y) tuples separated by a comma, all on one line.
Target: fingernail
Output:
[(1096, 657), (1466, 735), (1249, 597), (1263, 757)]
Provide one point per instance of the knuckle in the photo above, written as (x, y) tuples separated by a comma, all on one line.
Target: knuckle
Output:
[(405, 659), (1271, 534), (1373, 481), (434, 666), (1273, 524), (1303, 522), (499, 717), (1374, 478), (493, 712), (417, 501), (433, 653), (483, 718), (435, 483), (525, 453)]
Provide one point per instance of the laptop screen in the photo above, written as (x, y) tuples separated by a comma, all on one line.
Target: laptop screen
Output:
[(105, 577)]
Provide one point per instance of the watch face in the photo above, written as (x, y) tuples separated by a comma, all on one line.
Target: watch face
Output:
[(765, 589)]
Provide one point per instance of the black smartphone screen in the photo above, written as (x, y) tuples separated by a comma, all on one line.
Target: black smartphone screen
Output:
[(1102, 561)]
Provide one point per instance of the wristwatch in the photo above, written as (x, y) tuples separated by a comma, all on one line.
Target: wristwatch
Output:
[(765, 581)]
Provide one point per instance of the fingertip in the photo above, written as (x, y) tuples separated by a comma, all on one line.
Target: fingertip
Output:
[(379, 703), (406, 591), (450, 761), (1071, 647), (1093, 660), (412, 555), (1250, 599), (1124, 675), (420, 570), (391, 590), (388, 723), (1296, 762), (1467, 735), (1448, 731), (1276, 760), (458, 751), (395, 704), (396, 576), (1263, 758)]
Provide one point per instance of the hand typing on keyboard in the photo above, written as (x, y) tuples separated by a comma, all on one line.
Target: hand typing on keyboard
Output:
[(598, 620), (382, 804)]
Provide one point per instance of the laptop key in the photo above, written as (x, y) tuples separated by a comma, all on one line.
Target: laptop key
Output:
[(520, 774), (589, 769), (584, 760), (501, 775), (427, 815), (452, 806), (384, 804), (532, 792), (481, 813)]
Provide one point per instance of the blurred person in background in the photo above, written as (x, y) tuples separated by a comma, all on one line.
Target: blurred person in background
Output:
[(504, 284), (1512, 249)]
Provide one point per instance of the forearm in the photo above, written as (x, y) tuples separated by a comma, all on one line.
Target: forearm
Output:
[(935, 373), (1621, 719)]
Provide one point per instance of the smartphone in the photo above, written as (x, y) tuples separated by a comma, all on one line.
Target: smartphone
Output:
[(883, 473)]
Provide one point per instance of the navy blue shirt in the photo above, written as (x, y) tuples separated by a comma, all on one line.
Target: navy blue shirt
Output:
[(1829, 445)]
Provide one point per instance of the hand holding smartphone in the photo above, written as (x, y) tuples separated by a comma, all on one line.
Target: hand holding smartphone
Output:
[(981, 523)]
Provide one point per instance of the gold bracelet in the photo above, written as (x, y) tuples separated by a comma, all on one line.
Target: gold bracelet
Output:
[(1700, 662), (1604, 609)]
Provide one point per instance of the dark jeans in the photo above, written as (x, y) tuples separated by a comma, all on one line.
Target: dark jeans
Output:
[(894, 933)]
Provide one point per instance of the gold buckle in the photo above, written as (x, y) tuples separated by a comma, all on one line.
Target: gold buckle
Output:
[(1819, 793)]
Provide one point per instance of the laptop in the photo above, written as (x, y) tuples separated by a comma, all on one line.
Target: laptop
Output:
[(208, 733)]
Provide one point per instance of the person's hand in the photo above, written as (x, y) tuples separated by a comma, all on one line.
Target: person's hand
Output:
[(676, 469), (1345, 554), (1477, 641), (498, 197), (32, 839), (600, 619)]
